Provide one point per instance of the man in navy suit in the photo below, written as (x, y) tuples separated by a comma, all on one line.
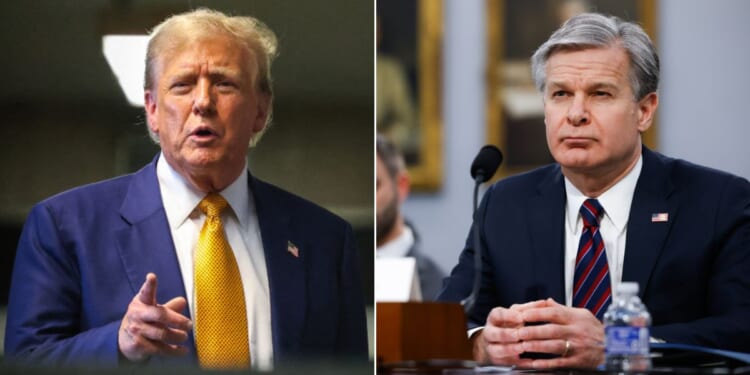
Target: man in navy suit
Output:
[(104, 273), (680, 230)]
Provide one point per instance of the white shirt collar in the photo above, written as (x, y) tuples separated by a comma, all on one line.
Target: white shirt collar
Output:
[(182, 198), (399, 246), (616, 201)]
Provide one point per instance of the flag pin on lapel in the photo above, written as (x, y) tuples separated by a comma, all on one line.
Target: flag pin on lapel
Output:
[(660, 217), (292, 249)]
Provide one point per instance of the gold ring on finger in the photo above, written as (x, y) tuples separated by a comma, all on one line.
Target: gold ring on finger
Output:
[(567, 348)]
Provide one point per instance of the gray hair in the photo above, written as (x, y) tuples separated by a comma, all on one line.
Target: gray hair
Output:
[(250, 32), (593, 30)]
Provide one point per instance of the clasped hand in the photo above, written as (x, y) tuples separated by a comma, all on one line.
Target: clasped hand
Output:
[(149, 328), (573, 336)]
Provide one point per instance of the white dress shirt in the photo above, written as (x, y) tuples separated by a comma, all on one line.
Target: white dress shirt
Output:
[(399, 246), (243, 233), (613, 226)]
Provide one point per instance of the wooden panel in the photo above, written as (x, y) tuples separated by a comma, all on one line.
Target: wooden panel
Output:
[(421, 331)]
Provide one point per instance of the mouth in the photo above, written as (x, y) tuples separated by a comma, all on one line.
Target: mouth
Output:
[(577, 141), (203, 133)]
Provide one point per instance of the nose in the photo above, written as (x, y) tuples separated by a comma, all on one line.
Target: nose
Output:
[(203, 101), (577, 112)]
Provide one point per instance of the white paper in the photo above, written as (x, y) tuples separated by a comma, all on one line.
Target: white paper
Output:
[(396, 280)]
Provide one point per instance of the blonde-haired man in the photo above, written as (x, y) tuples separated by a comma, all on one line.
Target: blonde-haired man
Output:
[(192, 256)]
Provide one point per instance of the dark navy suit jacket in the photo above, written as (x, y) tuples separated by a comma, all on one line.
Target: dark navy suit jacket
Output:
[(84, 254), (693, 270)]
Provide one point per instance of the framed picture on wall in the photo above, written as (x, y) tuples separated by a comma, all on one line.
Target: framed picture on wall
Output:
[(408, 85), (515, 112)]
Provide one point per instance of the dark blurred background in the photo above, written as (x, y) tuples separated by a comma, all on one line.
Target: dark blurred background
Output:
[(67, 122)]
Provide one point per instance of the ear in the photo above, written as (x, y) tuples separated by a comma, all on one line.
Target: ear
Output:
[(646, 110), (149, 103), (402, 186), (261, 117)]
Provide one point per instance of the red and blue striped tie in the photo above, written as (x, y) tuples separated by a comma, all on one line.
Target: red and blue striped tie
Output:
[(591, 285)]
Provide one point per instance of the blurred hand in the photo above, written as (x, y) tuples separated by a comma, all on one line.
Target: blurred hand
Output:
[(151, 329)]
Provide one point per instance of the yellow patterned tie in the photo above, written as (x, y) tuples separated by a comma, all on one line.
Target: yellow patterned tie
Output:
[(220, 316)]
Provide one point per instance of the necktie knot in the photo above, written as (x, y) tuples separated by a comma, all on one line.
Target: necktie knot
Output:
[(591, 212), (212, 205)]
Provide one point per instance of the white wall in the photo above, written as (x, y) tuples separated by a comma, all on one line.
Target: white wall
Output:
[(705, 52), (443, 218), (705, 95)]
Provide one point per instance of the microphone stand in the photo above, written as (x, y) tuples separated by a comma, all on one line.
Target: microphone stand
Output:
[(469, 302)]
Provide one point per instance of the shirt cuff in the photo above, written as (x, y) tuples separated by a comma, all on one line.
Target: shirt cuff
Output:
[(474, 330)]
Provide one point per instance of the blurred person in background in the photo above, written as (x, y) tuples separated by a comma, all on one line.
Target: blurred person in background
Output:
[(396, 237)]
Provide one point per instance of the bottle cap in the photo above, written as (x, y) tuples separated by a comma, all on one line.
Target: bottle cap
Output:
[(629, 287)]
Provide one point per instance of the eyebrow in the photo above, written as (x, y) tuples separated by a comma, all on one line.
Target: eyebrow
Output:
[(214, 73), (605, 85), (221, 71), (595, 86)]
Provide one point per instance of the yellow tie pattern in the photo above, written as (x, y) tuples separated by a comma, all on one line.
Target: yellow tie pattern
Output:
[(220, 315)]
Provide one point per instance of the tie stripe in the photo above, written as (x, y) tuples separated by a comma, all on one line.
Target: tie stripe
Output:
[(591, 283)]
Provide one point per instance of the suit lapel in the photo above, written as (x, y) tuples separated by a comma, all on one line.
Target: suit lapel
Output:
[(146, 244), (286, 272), (546, 226), (645, 238)]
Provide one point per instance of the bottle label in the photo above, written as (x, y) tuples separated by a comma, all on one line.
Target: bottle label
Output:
[(625, 340)]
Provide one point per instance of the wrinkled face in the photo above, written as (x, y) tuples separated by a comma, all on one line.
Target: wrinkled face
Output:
[(387, 201), (592, 120), (204, 106)]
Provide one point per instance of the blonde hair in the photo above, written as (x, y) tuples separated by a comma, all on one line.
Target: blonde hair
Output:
[(250, 32)]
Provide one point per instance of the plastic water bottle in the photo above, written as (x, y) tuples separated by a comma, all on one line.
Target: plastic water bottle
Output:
[(626, 327)]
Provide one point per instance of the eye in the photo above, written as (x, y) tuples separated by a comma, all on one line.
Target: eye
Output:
[(180, 87), (226, 85), (559, 93), (601, 93)]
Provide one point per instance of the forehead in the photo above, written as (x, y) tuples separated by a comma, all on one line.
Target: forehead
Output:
[(213, 51), (601, 65)]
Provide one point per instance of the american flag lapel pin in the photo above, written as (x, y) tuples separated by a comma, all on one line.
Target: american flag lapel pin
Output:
[(659, 217), (292, 249)]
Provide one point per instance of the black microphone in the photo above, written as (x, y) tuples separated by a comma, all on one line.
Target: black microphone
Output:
[(482, 169), (486, 163)]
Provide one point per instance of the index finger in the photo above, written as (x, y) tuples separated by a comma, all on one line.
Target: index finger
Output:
[(147, 294), (529, 305), (548, 314), (504, 318)]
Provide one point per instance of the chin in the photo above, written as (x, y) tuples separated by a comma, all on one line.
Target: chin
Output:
[(203, 160), (573, 161), (573, 157)]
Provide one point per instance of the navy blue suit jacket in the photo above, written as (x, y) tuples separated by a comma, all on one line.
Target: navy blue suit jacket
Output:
[(693, 270), (84, 254)]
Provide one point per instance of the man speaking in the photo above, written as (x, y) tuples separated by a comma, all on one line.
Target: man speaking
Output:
[(191, 257)]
